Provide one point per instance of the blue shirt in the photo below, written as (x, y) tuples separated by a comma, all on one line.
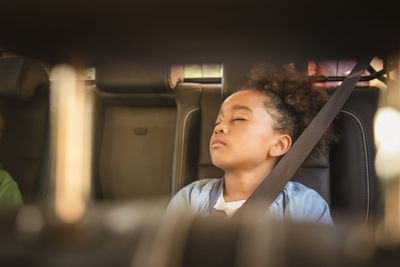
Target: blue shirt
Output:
[(296, 202)]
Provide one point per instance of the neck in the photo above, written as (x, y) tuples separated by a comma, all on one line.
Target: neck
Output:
[(241, 183)]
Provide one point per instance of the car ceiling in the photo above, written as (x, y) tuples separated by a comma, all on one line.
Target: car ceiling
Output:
[(94, 32)]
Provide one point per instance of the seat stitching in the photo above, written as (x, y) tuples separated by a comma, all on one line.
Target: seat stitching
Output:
[(188, 113), (364, 140)]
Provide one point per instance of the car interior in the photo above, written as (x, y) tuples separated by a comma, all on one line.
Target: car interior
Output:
[(151, 126), (151, 139)]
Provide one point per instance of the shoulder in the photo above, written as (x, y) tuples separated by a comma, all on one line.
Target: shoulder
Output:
[(194, 196), (197, 188), (298, 191), (9, 191), (5, 178), (303, 204)]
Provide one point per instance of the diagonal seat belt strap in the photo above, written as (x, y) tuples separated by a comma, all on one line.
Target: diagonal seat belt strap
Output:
[(274, 183)]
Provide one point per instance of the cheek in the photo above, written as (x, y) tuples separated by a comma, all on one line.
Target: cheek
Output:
[(261, 142), (259, 136), (259, 146), (254, 143)]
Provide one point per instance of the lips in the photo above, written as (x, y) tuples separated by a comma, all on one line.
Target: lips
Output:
[(217, 142)]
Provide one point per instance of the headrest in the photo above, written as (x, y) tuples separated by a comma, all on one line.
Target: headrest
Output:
[(128, 77), (19, 78), (235, 76)]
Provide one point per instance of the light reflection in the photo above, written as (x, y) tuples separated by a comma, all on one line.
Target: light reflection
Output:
[(387, 165), (387, 139)]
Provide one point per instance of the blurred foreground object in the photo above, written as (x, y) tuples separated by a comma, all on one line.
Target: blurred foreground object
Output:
[(71, 143), (387, 162), (140, 234)]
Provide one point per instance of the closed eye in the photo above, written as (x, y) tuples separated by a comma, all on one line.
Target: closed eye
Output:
[(239, 119)]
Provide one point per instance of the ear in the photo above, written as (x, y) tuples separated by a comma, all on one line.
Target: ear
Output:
[(281, 145)]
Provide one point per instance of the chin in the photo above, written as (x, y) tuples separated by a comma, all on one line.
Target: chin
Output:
[(223, 164)]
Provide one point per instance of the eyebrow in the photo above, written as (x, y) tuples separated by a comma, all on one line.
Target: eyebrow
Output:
[(238, 107)]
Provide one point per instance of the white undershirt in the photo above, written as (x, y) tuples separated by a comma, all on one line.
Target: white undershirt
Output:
[(228, 207)]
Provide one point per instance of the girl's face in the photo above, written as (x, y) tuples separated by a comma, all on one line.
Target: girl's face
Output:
[(243, 136)]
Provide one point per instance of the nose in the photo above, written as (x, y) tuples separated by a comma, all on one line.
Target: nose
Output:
[(220, 129)]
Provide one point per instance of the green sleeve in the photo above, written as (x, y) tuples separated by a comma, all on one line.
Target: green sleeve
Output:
[(9, 191)]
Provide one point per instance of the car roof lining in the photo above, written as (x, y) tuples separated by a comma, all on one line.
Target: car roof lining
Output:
[(94, 32)]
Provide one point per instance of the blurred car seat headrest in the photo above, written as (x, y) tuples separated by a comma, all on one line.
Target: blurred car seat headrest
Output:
[(20, 77), (129, 77)]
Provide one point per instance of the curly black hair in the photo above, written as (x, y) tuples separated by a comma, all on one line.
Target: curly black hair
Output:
[(292, 101)]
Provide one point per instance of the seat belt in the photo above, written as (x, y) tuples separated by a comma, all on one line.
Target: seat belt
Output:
[(284, 170)]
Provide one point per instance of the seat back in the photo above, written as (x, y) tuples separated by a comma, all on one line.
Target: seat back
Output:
[(144, 125), (135, 116), (211, 100), (194, 156), (353, 181), (24, 90), (187, 135)]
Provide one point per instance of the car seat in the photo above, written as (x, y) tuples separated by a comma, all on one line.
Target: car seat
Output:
[(24, 90)]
